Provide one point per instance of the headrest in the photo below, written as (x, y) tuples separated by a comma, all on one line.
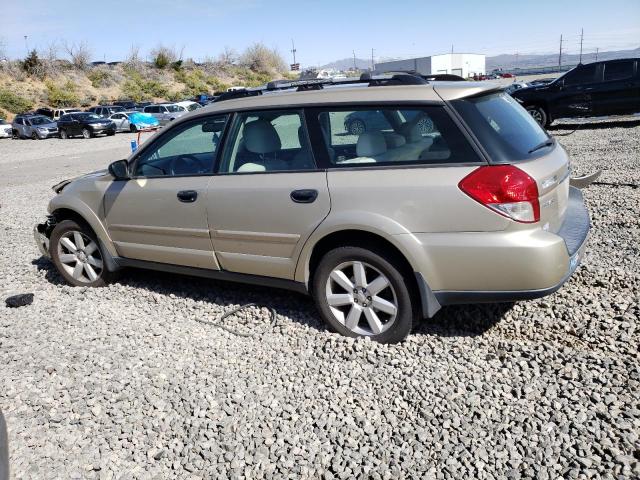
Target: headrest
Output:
[(260, 137), (394, 140), (301, 135), (370, 144)]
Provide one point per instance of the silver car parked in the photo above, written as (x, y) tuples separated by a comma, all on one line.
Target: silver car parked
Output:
[(36, 127), (165, 112)]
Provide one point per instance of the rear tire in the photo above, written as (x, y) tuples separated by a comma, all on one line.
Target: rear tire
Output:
[(78, 256), (361, 293), (539, 114)]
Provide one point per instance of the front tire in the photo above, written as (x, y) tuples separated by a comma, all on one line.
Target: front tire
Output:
[(63, 134), (34, 136), (362, 293), (77, 254), (86, 133), (539, 114), (133, 128)]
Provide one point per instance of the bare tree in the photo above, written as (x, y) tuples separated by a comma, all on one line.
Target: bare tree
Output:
[(133, 58), (80, 53), (260, 58), (3, 49), (228, 56)]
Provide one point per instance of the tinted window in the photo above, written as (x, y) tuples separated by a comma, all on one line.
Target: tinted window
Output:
[(504, 128), (65, 118), (390, 136), (618, 71), (189, 149), (39, 120), (267, 141), (584, 74)]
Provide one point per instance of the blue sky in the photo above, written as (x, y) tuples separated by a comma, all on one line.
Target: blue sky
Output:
[(323, 30)]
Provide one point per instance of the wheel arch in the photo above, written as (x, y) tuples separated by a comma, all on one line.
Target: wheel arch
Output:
[(81, 213)]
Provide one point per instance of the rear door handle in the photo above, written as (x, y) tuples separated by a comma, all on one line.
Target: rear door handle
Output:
[(304, 196), (187, 196)]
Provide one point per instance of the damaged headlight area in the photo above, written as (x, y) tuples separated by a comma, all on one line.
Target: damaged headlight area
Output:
[(42, 233), (58, 187)]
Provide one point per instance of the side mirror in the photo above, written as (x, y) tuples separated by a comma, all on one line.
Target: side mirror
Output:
[(119, 170)]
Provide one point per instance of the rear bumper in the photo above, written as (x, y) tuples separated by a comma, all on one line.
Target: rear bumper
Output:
[(541, 264)]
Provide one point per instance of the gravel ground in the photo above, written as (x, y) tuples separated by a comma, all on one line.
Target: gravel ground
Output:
[(124, 382)]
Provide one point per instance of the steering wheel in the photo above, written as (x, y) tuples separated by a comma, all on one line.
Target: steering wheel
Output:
[(185, 164)]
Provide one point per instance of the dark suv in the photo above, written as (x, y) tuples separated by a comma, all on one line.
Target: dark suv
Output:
[(86, 124), (595, 89)]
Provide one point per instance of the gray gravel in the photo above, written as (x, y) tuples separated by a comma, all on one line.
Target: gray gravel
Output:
[(123, 382)]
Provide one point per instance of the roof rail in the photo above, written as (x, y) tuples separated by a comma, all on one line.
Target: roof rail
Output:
[(320, 83)]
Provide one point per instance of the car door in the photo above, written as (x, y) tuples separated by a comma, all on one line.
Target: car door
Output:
[(268, 196), (574, 97), (160, 213), (118, 119), (618, 92)]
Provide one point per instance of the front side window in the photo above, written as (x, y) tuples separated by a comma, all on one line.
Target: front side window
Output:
[(393, 136), (615, 71), (267, 141), (586, 74), (189, 149)]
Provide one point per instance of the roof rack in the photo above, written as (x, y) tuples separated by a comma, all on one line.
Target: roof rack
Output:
[(434, 77), (320, 83)]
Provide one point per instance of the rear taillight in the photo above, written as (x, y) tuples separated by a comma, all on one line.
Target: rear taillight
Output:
[(505, 189)]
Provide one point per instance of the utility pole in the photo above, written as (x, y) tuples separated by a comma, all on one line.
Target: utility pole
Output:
[(372, 62), (597, 53), (293, 50), (452, 49), (355, 67), (26, 45), (560, 54), (581, 37)]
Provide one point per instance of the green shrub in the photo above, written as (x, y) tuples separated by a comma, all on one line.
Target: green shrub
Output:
[(137, 88), (33, 65), (99, 78), (62, 96), (14, 103)]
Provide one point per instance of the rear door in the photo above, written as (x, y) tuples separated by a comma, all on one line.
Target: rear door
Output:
[(619, 91), (268, 195)]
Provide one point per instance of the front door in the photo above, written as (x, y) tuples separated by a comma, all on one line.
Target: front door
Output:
[(160, 214), (268, 196), (575, 98)]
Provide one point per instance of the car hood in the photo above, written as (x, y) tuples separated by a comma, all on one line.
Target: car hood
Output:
[(97, 175)]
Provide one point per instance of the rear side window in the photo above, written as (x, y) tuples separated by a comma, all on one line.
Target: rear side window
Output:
[(504, 128), (370, 136), (618, 71)]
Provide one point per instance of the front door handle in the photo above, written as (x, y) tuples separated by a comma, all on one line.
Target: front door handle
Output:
[(187, 196), (304, 196)]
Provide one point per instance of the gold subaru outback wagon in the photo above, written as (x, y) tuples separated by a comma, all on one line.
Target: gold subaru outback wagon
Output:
[(446, 193)]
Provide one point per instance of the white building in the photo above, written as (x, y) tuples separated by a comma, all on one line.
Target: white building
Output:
[(463, 64)]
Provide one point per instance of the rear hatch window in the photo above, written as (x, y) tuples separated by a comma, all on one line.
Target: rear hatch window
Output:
[(505, 129)]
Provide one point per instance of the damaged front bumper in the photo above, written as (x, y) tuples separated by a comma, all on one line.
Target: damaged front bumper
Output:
[(42, 233)]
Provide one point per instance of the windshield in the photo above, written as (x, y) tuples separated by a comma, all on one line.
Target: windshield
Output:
[(40, 120), (503, 126), (3, 121), (174, 108), (87, 116), (116, 109), (193, 106)]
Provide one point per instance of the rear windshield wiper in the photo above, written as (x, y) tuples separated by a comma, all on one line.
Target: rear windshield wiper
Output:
[(546, 143)]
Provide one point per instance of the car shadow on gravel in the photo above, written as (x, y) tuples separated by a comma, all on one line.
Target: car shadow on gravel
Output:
[(458, 320), (463, 320)]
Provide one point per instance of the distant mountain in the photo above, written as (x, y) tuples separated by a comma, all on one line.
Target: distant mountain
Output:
[(508, 61), (347, 63)]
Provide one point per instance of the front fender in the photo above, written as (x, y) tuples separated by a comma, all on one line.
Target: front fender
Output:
[(73, 203)]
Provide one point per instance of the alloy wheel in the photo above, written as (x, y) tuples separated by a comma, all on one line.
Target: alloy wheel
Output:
[(86, 133), (80, 256), (361, 298)]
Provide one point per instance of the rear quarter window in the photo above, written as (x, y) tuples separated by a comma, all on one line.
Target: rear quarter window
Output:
[(504, 128)]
